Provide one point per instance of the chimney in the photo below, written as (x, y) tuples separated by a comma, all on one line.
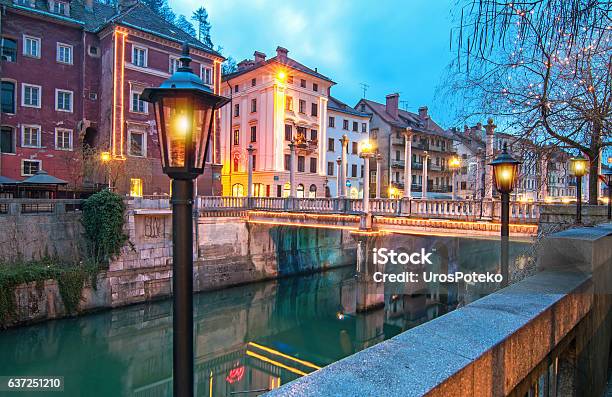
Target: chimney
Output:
[(89, 5), (281, 53), (247, 63), (423, 113), (125, 4), (259, 56), (391, 105)]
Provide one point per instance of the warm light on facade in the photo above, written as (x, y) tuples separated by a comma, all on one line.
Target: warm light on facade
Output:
[(454, 162), (281, 76), (136, 187), (105, 157), (366, 147)]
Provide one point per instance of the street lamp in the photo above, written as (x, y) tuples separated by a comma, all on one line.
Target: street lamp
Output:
[(454, 163), (105, 157), (607, 176), (505, 170), (579, 166), (184, 109)]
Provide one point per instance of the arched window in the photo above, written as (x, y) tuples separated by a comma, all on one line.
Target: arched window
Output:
[(312, 191), (286, 189), (237, 190), (300, 191), (354, 193)]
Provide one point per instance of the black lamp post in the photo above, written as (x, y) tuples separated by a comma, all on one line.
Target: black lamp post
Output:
[(505, 170), (184, 110), (607, 175), (579, 166)]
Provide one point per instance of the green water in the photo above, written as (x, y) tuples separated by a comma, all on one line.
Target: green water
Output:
[(248, 339)]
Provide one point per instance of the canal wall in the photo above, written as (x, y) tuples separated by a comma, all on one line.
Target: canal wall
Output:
[(557, 217), (548, 334)]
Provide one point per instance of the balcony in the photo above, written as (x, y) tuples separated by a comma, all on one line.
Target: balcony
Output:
[(397, 164), (401, 141)]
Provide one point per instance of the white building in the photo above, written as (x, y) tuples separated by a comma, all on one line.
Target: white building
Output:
[(272, 102), (344, 120)]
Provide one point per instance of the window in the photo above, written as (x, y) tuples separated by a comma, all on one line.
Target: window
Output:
[(315, 87), (253, 105), (64, 53), (287, 162), (345, 125), (92, 50), (31, 46), (302, 106), (236, 88), (253, 133), (331, 122), (138, 144), (397, 155), (8, 97), (300, 191), (30, 135), (355, 126), (7, 140), (63, 100), (314, 109), (354, 170), (301, 163), (236, 110), (236, 138), (361, 171), (8, 49), (302, 83), (174, 64), (354, 147), (289, 79), (30, 95), (330, 168), (63, 139), (59, 7), (138, 105), (237, 190), (313, 165), (330, 144), (288, 132), (312, 191), (364, 127), (135, 187), (30, 167), (254, 161), (253, 82), (313, 135), (288, 103), (207, 75), (139, 56)]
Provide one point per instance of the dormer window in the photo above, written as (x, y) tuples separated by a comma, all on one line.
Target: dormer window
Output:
[(25, 3), (59, 7)]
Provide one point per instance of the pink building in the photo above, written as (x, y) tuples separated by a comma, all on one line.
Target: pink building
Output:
[(72, 73)]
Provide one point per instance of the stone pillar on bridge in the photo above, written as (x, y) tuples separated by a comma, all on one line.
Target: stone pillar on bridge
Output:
[(366, 221), (378, 172), (424, 184), (543, 177), (292, 169), (490, 132), (408, 163), (370, 294), (345, 141), (250, 150), (340, 178)]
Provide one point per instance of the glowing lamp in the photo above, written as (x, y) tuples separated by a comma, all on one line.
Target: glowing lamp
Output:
[(505, 171), (454, 162), (105, 157), (184, 109), (366, 148), (281, 76), (579, 166)]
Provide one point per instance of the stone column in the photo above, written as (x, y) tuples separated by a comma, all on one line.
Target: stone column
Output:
[(543, 178), (490, 131), (339, 178), (250, 150), (292, 169), (408, 163), (366, 183), (424, 184), (378, 172), (344, 140), (453, 184)]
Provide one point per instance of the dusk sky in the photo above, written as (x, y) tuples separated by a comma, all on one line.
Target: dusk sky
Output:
[(393, 46)]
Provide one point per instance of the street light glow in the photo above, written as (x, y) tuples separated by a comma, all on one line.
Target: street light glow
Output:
[(281, 76), (105, 157)]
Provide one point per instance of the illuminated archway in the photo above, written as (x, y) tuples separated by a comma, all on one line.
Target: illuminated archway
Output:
[(237, 190), (286, 189), (300, 191)]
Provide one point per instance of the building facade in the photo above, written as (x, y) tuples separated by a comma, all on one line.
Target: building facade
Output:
[(273, 102), (72, 73), (389, 127), (344, 121)]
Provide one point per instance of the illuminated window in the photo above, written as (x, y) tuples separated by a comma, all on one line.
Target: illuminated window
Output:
[(237, 190), (300, 191), (286, 189), (236, 137), (289, 103), (135, 187)]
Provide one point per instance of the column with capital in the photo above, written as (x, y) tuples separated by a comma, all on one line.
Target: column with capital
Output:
[(490, 131), (424, 184), (250, 150), (339, 179), (345, 141), (408, 163), (292, 169), (543, 177), (378, 173)]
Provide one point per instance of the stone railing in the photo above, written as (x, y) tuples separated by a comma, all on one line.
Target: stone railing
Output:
[(39, 206)]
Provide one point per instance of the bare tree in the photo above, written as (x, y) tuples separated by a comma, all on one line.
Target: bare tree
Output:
[(542, 67)]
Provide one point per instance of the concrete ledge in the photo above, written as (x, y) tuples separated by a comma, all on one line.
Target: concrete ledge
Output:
[(483, 349)]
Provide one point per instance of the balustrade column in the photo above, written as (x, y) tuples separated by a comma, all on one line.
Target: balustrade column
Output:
[(408, 163)]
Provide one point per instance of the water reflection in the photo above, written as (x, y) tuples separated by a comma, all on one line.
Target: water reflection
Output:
[(249, 339)]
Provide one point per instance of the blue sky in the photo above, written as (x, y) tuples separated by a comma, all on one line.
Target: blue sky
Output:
[(393, 46)]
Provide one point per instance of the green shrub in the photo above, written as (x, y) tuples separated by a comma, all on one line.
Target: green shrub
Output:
[(103, 221)]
